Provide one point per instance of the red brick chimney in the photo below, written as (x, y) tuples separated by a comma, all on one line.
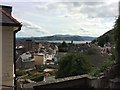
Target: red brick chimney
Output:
[(8, 9)]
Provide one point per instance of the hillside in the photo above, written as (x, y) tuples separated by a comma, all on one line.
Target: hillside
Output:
[(61, 37), (67, 37), (106, 37)]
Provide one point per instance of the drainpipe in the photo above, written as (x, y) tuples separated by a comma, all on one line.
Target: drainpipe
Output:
[(14, 58)]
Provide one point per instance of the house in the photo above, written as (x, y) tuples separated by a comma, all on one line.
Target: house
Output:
[(25, 61), (8, 28), (39, 58), (35, 46), (28, 45), (83, 47), (19, 51)]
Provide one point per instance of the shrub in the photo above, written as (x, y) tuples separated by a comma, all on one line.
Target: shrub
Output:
[(63, 47), (37, 77), (52, 72), (25, 81), (41, 67), (73, 64), (92, 51), (102, 67), (20, 73)]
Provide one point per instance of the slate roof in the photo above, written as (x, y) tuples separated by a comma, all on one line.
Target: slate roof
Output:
[(6, 19)]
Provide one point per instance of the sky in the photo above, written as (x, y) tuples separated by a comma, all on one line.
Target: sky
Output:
[(72, 17)]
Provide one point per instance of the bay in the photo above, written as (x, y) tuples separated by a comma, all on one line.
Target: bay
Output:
[(75, 42)]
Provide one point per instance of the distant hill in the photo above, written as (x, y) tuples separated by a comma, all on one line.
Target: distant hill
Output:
[(63, 37), (106, 37), (68, 37)]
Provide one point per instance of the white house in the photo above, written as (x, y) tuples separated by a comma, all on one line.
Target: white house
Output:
[(25, 61)]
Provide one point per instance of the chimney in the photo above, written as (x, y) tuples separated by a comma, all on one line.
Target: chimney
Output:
[(8, 9)]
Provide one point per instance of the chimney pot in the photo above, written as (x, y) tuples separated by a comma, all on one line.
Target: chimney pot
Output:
[(7, 9)]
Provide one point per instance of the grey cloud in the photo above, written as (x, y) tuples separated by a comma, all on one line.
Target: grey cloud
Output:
[(100, 11), (23, 34), (83, 30), (91, 9), (39, 31), (94, 3), (26, 26), (78, 4)]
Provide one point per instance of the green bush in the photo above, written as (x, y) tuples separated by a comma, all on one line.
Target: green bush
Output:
[(63, 47), (73, 64), (20, 73), (41, 67), (52, 72), (92, 51), (37, 77), (102, 67), (25, 81)]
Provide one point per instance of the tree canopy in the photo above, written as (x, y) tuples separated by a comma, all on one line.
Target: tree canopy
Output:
[(117, 43), (63, 47), (117, 38), (73, 64)]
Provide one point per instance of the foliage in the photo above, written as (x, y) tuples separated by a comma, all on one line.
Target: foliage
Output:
[(37, 77), (63, 47), (113, 53), (117, 44), (53, 72), (32, 75), (117, 39), (21, 73), (41, 67), (96, 71), (25, 81), (105, 38), (73, 64), (92, 51)]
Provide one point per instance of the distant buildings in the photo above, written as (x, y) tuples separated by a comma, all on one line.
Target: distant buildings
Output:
[(41, 54), (39, 58), (25, 61), (28, 45)]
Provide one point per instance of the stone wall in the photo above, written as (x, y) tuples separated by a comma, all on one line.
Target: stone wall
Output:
[(82, 82)]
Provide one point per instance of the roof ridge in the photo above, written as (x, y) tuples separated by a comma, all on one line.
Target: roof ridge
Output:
[(9, 16)]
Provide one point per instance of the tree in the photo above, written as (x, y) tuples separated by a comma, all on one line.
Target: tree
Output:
[(73, 64), (63, 47), (117, 43), (103, 40), (41, 67), (92, 51)]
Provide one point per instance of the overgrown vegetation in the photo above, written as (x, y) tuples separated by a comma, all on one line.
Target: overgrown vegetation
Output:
[(21, 73), (31, 75), (37, 77), (96, 71), (63, 47), (92, 51), (40, 67), (73, 64), (105, 38), (117, 44)]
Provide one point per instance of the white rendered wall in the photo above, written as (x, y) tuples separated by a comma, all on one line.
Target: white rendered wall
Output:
[(7, 55)]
